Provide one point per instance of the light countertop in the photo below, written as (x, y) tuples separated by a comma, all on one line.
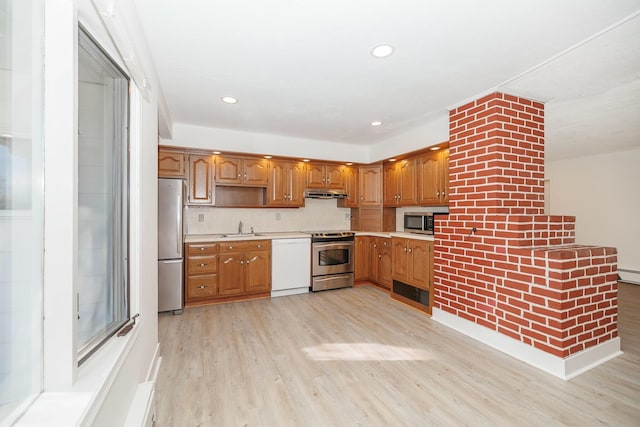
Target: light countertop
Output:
[(416, 236), (199, 238)]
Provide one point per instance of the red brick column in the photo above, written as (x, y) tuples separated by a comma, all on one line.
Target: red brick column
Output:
[(518, 273)]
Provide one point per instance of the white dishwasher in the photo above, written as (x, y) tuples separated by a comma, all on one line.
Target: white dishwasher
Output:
[(290, 266)]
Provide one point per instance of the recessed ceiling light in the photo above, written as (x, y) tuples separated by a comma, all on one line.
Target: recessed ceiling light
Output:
[(229, 99), (376, 123), (435, 148), (267, 157), (392, 160), (217, 152), (349, 164), (382, 51), (305, 160)]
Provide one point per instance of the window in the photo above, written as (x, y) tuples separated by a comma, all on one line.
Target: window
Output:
[(21, 201), (103, 190)]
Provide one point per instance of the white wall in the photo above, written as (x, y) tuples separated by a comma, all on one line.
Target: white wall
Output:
[(603, 192), (318, 214)]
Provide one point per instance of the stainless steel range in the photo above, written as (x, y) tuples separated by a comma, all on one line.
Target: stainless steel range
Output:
[(332, 259)]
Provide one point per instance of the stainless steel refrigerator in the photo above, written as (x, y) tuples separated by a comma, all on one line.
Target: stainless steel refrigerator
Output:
[(170, 255)]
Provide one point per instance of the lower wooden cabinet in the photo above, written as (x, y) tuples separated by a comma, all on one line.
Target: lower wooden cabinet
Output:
[(245, 267), (221, 271), (201, 278), (413, 272), (361, 267), (378, 256)]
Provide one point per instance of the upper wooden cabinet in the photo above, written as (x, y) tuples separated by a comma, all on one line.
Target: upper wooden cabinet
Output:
[(370, 185), (244, 171), (350, 177), (171, 163), (200, 182), (286, 184), (400, 183), (433, 178), (320, 175)]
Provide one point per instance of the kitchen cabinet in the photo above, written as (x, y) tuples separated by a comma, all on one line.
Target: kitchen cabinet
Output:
[(370, 185), (286, 184), (242, 171), (400, 183), (411, 261), (350, 178), (245, 268), (433, 178), (201, 273), (327, 176), (200, 181), (361, 267), (380, 261), (171, 163)]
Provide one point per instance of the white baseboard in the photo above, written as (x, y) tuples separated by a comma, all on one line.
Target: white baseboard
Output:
[(566, 368), (629, 276), (154, 367), (292, 291)]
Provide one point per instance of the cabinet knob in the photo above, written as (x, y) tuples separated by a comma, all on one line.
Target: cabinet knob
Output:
[(443, 194), (379, 256), (405, 249), (259, 246), (202, 248), (202, 287), (241, 262), (361, 197), (202, 265), (230, 247), (248, 261), (438, 193), (410, 250), (239, 175)]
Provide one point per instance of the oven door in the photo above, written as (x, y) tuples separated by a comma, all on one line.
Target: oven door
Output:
[(331, 258)]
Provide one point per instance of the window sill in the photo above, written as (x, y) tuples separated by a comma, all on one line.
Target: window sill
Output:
[(79, 404)]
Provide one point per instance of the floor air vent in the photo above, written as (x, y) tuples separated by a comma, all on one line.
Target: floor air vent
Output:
[(414, 294)]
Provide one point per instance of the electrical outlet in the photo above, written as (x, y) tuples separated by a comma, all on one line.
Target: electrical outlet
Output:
[(278, 216), (201, 217)]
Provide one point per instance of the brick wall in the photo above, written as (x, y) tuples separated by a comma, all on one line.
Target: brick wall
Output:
[(519, 273)]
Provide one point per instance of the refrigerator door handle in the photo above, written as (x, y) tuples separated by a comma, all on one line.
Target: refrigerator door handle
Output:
[(170, 261)]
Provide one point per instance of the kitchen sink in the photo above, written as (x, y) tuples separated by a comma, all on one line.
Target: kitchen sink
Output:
[(240, 235)]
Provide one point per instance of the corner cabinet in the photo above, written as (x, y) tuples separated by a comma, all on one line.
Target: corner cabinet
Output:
[(370, 185), (171, 163), (200, 181), (350, 179), (286, 184), (412, 272), (245, 268), (433, 178)]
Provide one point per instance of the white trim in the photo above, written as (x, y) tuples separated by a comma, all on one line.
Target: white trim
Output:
[(566, 368), (629, 276), (154, 366), (292, 291)]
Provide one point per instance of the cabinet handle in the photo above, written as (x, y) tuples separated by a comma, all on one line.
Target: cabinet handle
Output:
[(239, 175), (405, 249), (202, 265), (438, 193), (202, 287), (375, 246), (202, 248), (379, 256), (241, 262), (248, 261), (361, 197), (443, 194), (245, 176), (410, 250), (259, 246), (230, 247)]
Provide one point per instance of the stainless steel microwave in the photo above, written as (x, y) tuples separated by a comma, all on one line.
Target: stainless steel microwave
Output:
[(419, 222)]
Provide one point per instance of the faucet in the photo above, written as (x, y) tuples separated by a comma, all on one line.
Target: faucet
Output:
[(240, 227)]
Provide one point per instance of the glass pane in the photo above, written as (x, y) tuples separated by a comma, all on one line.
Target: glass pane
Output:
[(102, 193), (334, 257), (21, 209)]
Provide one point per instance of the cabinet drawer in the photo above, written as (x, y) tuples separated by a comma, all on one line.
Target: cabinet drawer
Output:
[(245, 245), (202, 286), (202, 265), (202, 249)]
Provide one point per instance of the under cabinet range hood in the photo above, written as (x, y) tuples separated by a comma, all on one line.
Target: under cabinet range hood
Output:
[(323, 193)]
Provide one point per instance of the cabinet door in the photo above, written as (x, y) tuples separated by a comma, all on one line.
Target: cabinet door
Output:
[(171, 164), (277, 191), (418, 273), (350, 176), (429, 179), (257, 266), (231, 273), (444, 176), (373, 259), (255, 172), (333, 177), (295, 183), (384, 262), (400, 259), (390, 185), (361, 268), (370, 185), (200, 180), (407, 183), (228, 170), (316, 175)]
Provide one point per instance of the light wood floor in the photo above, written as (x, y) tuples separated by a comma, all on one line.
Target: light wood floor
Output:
[(354, 357)]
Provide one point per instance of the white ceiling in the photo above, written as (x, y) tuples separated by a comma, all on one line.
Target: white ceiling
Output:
[(304, 69)]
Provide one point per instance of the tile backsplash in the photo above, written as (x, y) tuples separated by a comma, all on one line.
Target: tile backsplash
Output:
[(318, 214)]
